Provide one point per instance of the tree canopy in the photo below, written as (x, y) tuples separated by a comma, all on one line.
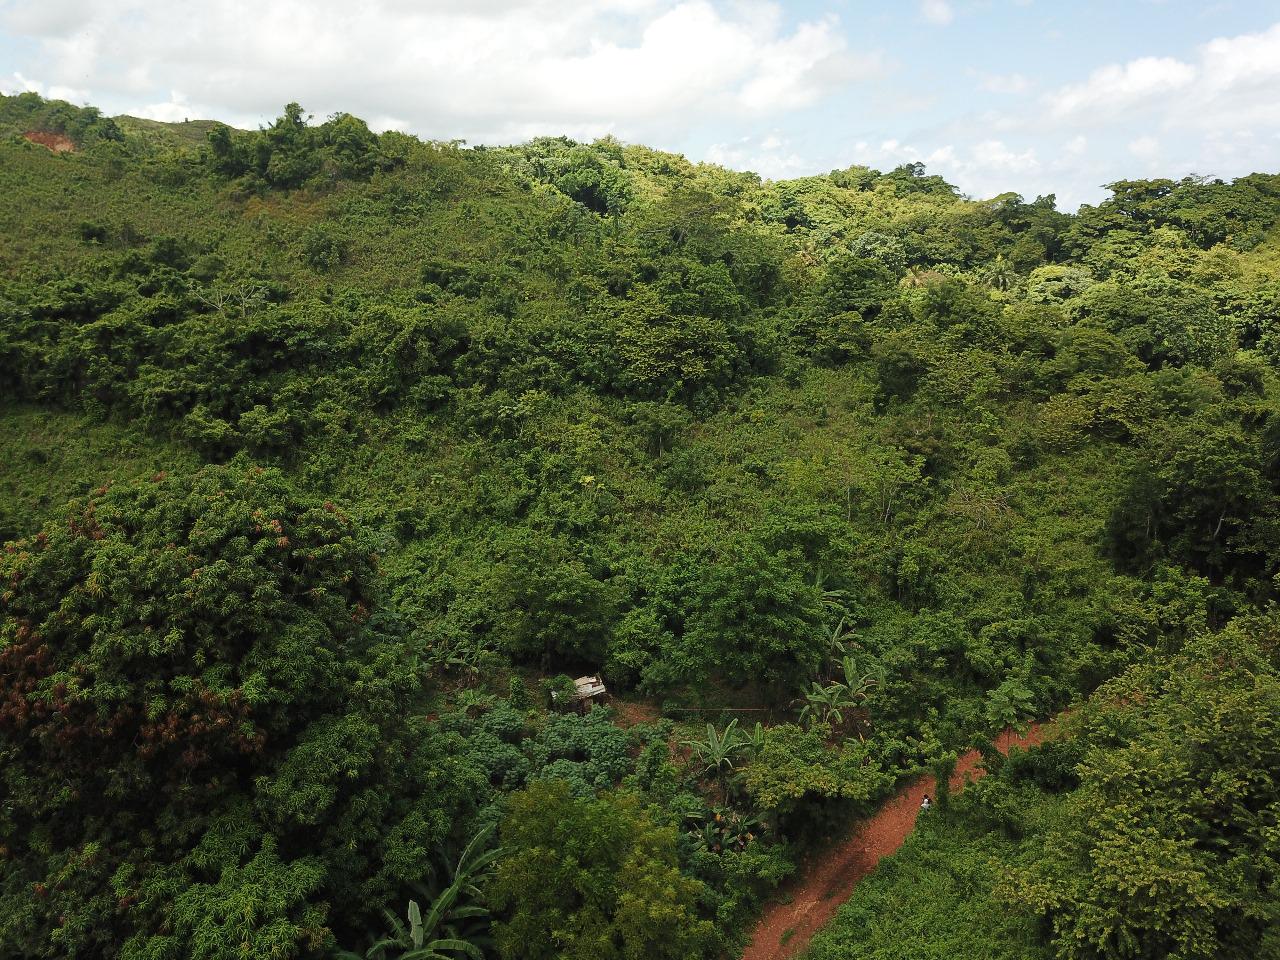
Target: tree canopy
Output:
[(329, 459)]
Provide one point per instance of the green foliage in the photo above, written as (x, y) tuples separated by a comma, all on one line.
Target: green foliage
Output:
[(750, 614), (720, 751), (587, 751), (456, 922), (932, 465), (1144, 828), (323, 249), (794, 767), (1205, 211), (1205, 497), (186, 648), (828, 703), (84, 126), (553, 605), (291, 152), (592, 878), (594, 176), (1165, 847), (933, 900), (264, 908)]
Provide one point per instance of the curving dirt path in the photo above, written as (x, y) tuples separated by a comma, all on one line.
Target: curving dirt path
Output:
[(826, 882)]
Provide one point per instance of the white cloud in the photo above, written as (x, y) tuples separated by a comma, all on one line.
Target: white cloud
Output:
[(1005, 83), (174, 110), (1145, 148), (937, 11), (1121, 85), (487, 70), (995, 156), (1210, 112), (1215, 111), (770, 156), (1246, 58), (1233, 81), (1240, 81), (17, 83), (982, 169)]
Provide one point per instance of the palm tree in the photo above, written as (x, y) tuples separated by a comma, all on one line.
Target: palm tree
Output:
[(1001, 274)]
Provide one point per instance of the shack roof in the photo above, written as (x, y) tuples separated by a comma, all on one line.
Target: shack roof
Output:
[(587, 687)]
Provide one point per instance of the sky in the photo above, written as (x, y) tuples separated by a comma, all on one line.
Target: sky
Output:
[(1031, 96)]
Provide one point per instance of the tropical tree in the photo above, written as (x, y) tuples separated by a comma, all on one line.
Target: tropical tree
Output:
[(798, 769), (191, 647), (834, 637), (593, 879), (1168, 847), (1001, 274), (832, 599)]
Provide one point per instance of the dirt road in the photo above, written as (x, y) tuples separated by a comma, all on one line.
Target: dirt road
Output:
[(827, 881)]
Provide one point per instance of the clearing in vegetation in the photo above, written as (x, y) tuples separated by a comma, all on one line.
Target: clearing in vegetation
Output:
[(828, 879)]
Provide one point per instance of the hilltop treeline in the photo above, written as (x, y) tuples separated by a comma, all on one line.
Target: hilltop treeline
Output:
[(330, 455)]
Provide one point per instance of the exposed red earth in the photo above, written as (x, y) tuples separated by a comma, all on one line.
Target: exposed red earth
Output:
[(54, 141), (629, 713), (827, 881)]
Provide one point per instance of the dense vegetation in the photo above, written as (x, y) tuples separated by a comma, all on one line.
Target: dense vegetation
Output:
[(1147, 828), (328, 456)]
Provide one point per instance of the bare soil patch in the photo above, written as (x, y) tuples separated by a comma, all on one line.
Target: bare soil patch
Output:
[(57, 142), (630, 713)]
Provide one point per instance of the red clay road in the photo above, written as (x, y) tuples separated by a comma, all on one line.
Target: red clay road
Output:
[(828, 881)]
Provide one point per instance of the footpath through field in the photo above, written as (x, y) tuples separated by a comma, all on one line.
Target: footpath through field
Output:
[(827, 881)]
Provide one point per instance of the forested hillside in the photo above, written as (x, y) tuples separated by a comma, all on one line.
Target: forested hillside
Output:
[(326, 457)]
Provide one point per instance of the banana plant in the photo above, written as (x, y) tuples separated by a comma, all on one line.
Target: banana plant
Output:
[(723, 828), (719, 751), (832, 599), (412, 944), (826, 704), (835, 639), (859, 683), (454, 924)]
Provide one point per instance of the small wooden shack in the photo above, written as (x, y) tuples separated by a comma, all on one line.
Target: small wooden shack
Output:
[(587, 692)]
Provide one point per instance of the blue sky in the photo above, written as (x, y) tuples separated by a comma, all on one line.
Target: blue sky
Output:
[(1026, 95)]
